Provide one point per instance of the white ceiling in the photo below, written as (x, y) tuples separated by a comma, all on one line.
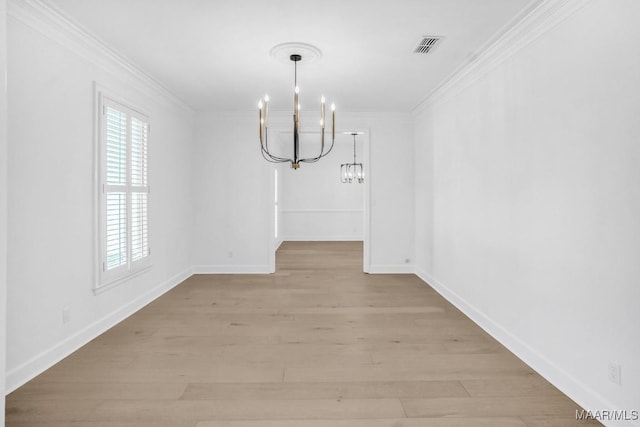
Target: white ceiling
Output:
[(214, 54)]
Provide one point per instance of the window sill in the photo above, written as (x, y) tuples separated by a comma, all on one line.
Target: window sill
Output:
[(103, 287)]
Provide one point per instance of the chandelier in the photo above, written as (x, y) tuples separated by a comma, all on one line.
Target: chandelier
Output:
[(352, 172), (295, 161)]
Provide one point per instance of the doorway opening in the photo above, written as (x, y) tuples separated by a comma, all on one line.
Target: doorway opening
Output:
[(311, 204)]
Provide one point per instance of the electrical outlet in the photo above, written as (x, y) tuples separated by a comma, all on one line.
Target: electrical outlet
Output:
[(66, 314), (230, 254), (614, 373)]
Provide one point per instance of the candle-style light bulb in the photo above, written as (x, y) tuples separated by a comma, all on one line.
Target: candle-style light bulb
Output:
[(266, 110), (260, 119), (322, 100), (333, 120)]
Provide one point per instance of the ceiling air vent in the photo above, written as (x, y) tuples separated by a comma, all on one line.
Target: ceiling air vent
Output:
[(427, 44)]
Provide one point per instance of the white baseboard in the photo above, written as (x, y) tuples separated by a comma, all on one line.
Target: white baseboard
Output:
[(43, 361), (231, 269), (569, 385), (345, 238), (391, 269)]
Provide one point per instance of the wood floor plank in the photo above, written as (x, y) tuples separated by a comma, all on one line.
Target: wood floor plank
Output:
[(290, 355), (358, 310), (169, 411), (391, 422), (145, 371), (337, 390), (431, 368), (63, 392), (317, 344), (533, 385), (173, 423), (490, 407), (555, 421), (248, 409)]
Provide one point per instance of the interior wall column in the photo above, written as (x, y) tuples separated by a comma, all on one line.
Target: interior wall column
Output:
[(3, 204)]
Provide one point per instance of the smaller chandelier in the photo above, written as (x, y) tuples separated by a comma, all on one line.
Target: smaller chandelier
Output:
[(263, 118), (352, 172)]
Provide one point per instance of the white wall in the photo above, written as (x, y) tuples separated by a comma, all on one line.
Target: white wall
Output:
[(423, 197), (51, 72), (315, 204), (232, 213), (528, 220), (3, 203), (391, 183)]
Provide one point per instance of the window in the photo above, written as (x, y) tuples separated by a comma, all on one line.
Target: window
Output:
[(124, 192)]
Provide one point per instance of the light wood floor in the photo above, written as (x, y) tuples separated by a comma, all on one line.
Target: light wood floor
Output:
[(318, 344)]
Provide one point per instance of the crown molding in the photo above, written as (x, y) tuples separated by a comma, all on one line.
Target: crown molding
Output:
[(55, 25), (285, 116), (537, 20)]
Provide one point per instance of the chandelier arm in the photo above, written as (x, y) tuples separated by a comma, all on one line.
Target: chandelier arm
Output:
[(268, 156), (315, 159), (269, 159), (265, 149), (266, 140), (273, 159)]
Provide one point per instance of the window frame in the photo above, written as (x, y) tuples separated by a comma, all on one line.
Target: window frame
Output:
[(105, 279)]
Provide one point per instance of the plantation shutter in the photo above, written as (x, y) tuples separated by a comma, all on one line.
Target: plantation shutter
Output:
[(139, 189), (125, 190), (116, 188)]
